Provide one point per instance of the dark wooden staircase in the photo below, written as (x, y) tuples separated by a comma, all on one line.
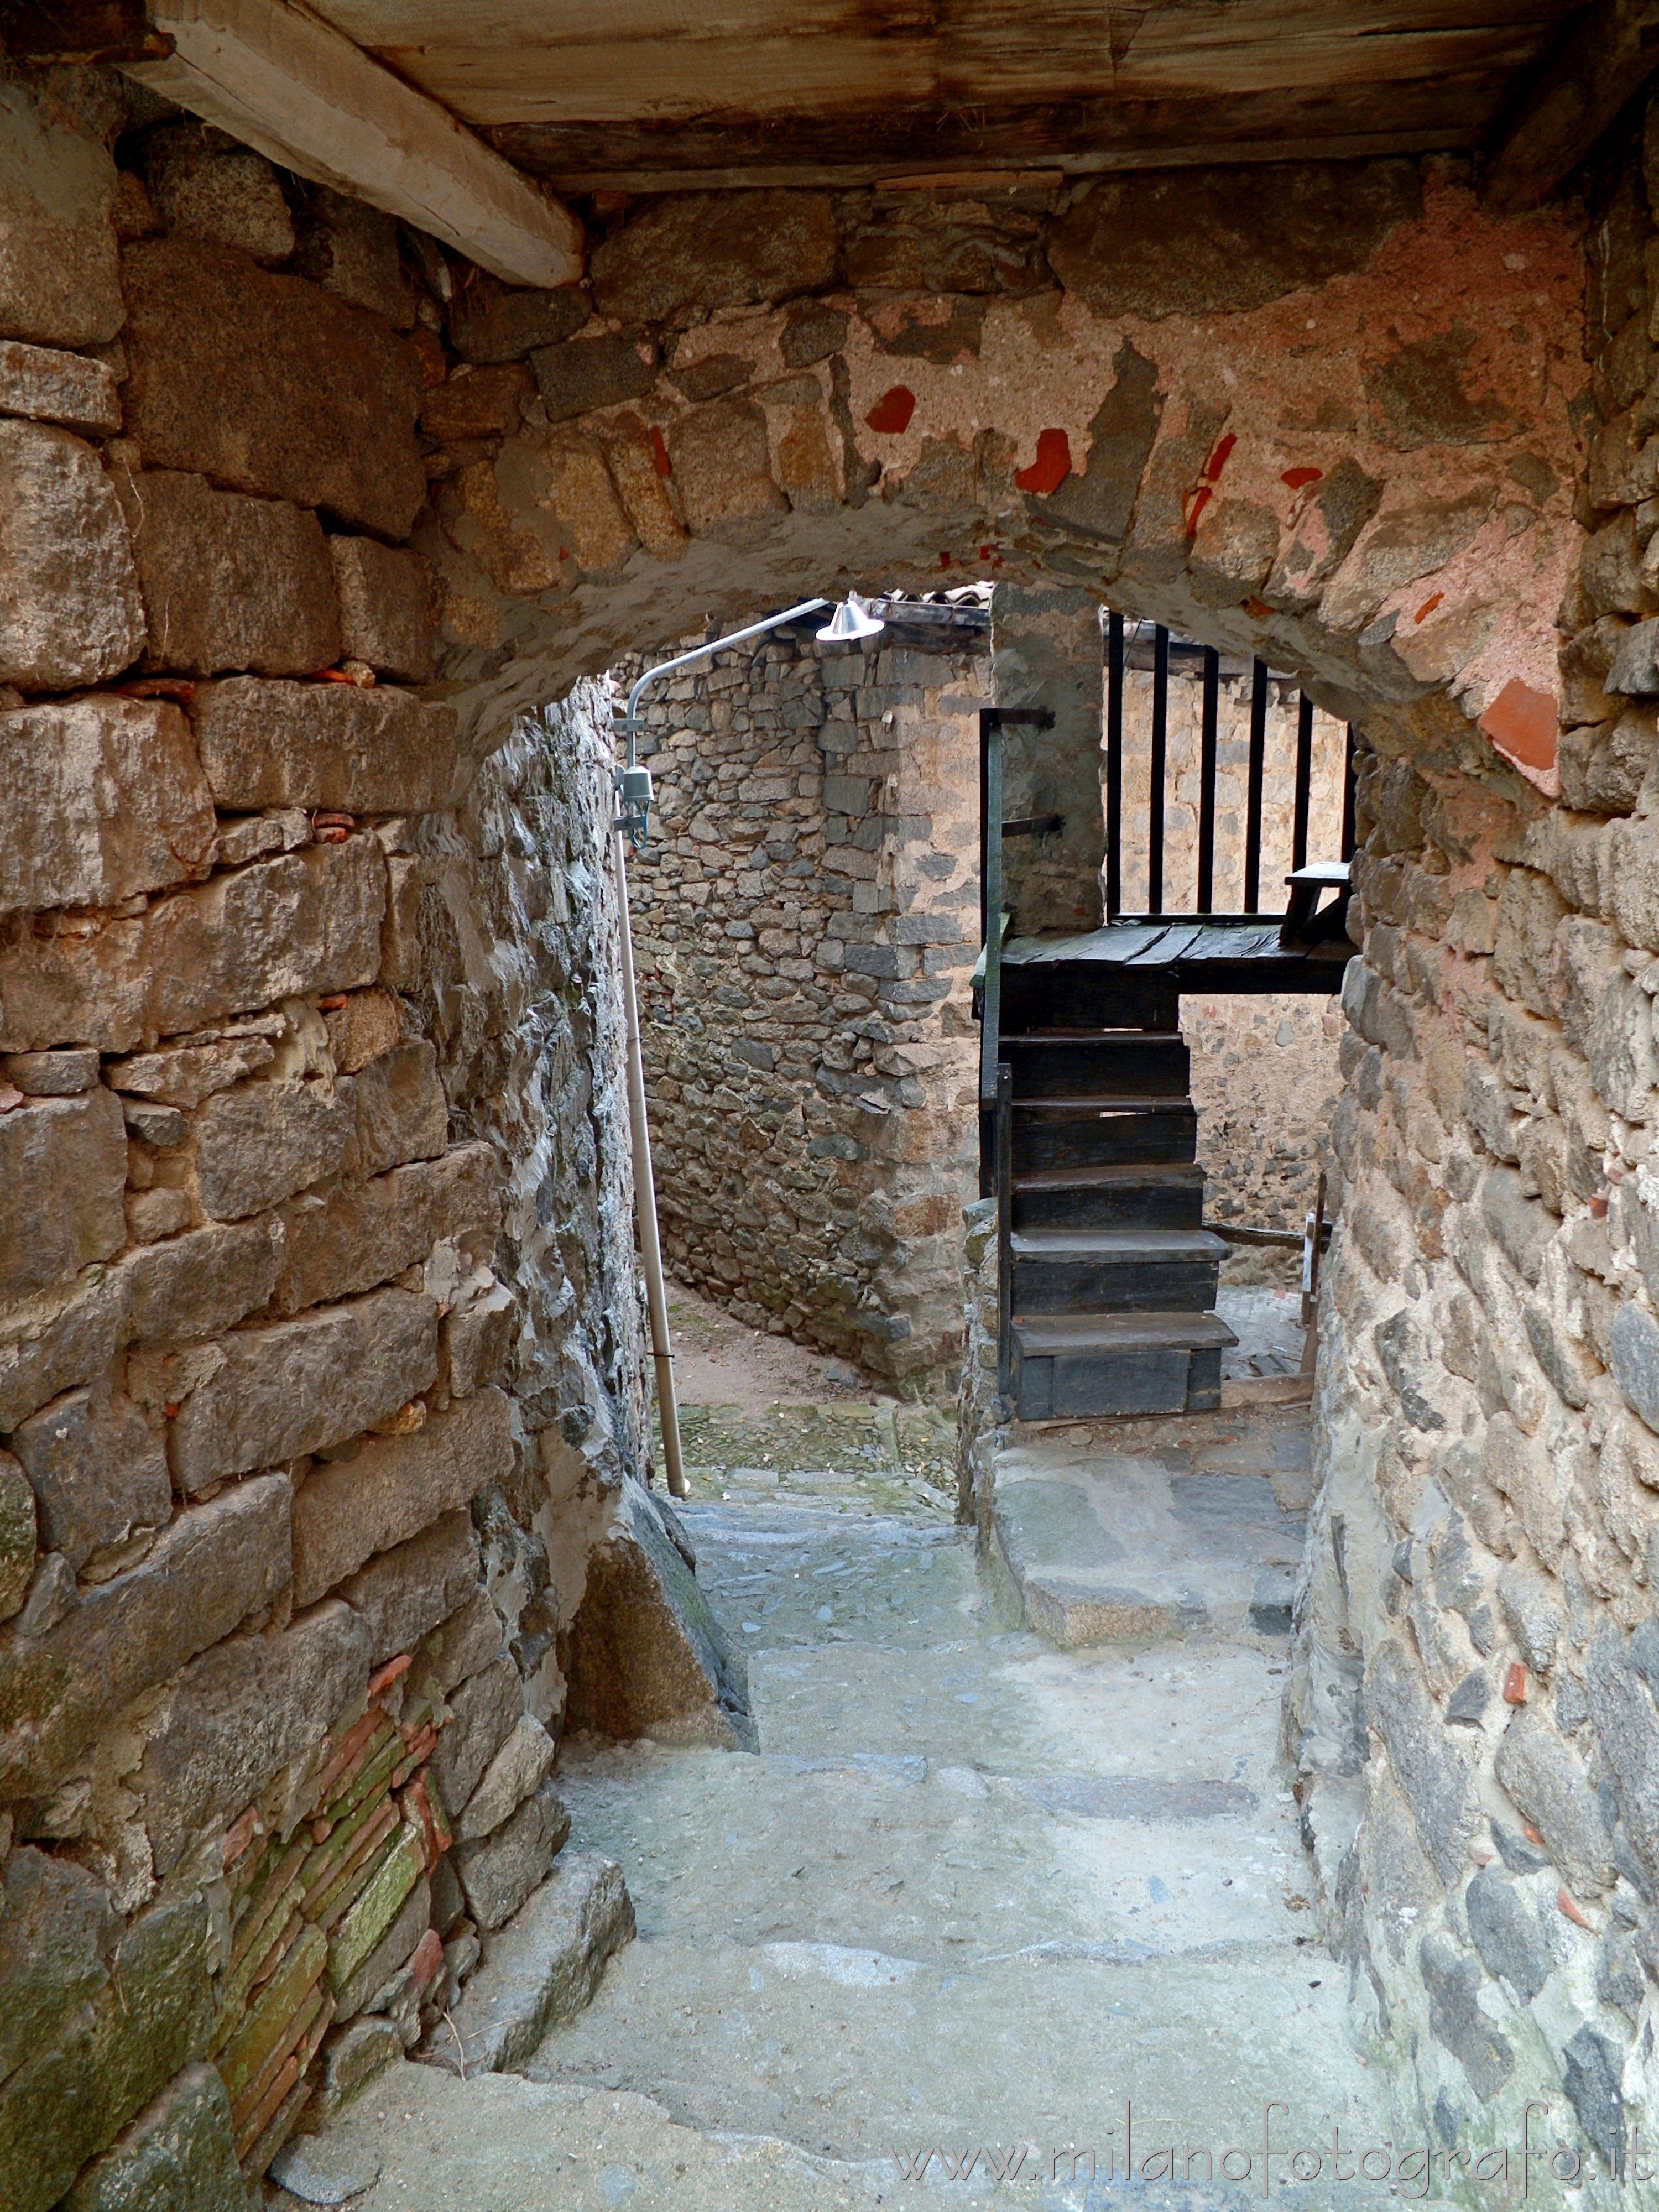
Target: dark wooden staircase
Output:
[(1111, 1274), (1107, 1277)]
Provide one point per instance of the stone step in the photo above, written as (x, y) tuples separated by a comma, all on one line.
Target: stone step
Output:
[(540, 1968), (1105, 1130), (1085, 1366), (1106, 1271), (1094, 1063)]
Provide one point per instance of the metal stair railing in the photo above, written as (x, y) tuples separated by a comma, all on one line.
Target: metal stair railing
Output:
[(996, 1080), (1119, 645)]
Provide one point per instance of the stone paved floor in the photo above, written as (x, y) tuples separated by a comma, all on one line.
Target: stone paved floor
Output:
[(973, 1893)]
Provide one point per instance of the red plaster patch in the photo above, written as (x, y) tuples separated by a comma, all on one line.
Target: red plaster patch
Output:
[(1052, 466), (1298, 478), (1521, 724), (665, 466), (1428, 607), (891, 416), (1197, 500), (1218, 458)]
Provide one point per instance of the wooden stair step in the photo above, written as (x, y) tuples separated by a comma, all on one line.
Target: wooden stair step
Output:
[(1155, 1194), (1104, 1366), (1092, 1063), (1073, 1132), (1099, 1271)]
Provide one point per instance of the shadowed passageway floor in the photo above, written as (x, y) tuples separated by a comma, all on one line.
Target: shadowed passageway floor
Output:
[(973, 1894)]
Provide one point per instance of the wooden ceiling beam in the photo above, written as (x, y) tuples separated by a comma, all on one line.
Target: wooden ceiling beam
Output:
[(1081, 137), (297, 91), (1574, 97)]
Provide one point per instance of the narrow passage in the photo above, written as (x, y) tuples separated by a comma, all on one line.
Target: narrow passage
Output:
[(975, 1894)]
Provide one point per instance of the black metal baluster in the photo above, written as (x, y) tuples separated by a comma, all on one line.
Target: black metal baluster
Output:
[(990, 901), (1114, 764), (1347, 795), (1003, 1186), (1160, 747), (1206, 902), (1305, 714), (1253, 798)]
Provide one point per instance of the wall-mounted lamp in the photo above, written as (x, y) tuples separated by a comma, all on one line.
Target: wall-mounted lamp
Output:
[(851, 621)]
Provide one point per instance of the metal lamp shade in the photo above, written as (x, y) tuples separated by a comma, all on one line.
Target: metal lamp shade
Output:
[(851, 620)]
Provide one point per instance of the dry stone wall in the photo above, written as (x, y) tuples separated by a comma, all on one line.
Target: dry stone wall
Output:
[(319, 1336), (807, 924), (1475, 1712)]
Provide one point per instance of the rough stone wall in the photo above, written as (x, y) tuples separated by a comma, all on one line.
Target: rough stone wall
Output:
[(1266, 1081), (1474, 1713), (813, 806), (319, 1350), (806, 924)]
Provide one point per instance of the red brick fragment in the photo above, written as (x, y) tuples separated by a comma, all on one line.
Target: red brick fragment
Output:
[(1515, 1685), (393, 1668), (177, 688), (659, 452), (1569, 1906), (1428, 607), (428, 1957), (240, 1833), (434, 361), (1299, 479)]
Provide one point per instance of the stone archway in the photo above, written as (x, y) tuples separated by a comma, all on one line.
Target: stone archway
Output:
[(1354, 455)]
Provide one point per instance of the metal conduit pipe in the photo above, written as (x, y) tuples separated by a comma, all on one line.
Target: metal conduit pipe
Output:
[(633, 796)]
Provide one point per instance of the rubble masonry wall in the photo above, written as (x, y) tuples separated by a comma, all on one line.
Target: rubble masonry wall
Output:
[(1475, 1712)]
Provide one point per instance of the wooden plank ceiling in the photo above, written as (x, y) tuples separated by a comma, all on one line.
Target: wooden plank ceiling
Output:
[(649, 95)]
